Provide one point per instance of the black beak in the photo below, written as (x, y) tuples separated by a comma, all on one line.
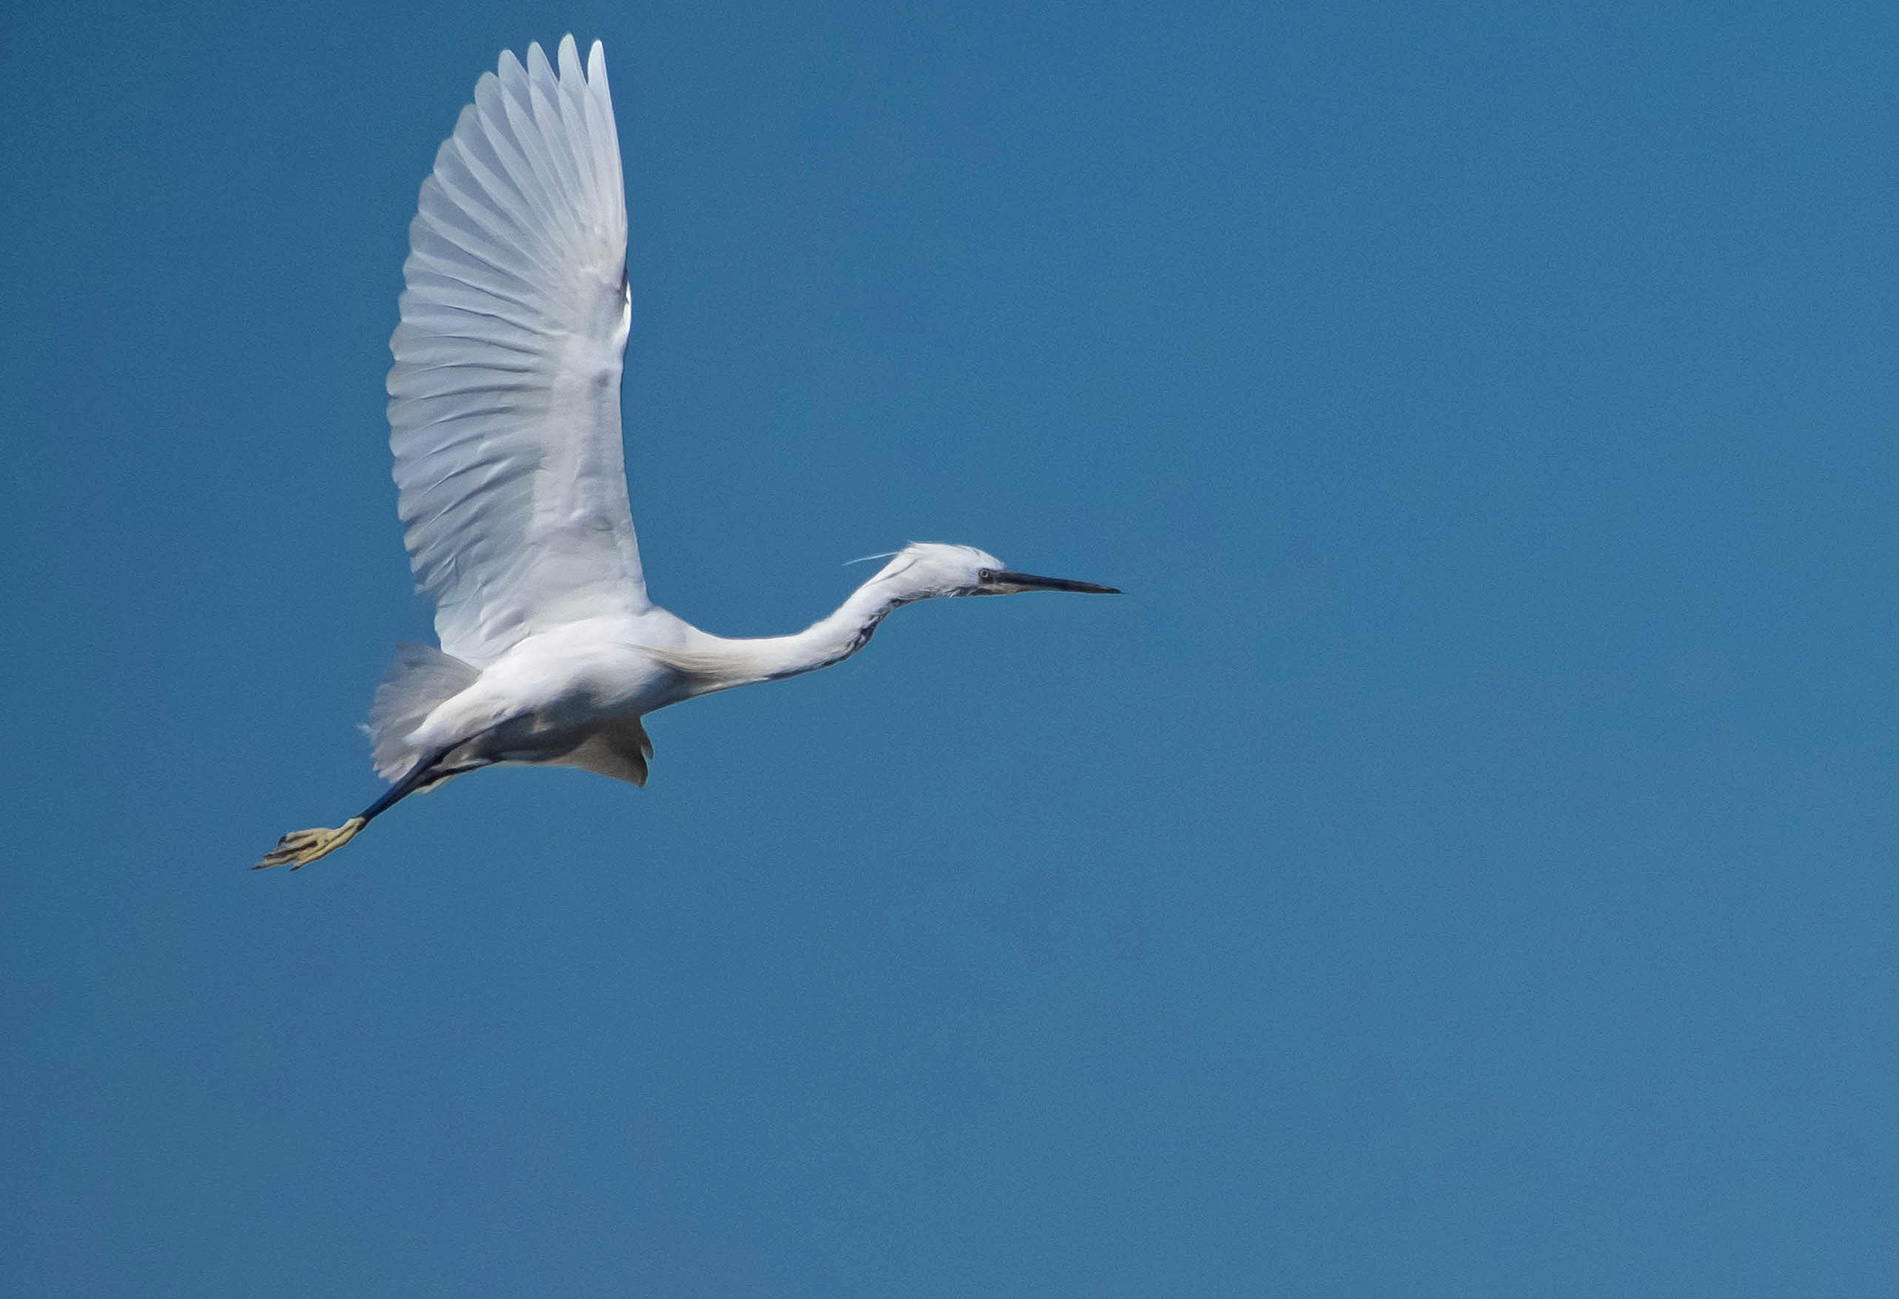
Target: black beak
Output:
[(1030, 582)]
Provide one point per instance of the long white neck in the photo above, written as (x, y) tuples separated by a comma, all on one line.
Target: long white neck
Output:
[(726, 663), (828, 640)]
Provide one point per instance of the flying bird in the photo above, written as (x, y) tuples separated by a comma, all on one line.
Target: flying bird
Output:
[(504, 417)]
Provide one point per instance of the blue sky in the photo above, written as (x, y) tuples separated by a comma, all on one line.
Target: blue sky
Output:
[(1462, 864)]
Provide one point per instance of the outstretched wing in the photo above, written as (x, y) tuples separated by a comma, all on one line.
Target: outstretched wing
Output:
[(504, 400)]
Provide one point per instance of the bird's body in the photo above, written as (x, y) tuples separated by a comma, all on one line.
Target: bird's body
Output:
[(504, 414), (547, 694)]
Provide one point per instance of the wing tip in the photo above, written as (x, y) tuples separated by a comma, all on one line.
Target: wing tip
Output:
[(566, 59), (538, 67)]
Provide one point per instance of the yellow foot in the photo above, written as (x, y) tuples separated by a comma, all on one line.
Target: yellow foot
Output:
[(301, 847)]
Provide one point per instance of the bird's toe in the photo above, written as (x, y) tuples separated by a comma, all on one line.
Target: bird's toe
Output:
[(301, 847)]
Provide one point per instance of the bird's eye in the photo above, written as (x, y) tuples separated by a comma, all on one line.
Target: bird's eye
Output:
[(986, 575)]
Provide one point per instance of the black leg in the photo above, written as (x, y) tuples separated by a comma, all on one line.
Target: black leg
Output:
[(422, 773), (301, 847)]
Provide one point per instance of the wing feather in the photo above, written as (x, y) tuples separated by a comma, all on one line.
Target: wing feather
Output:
[(504, 399)]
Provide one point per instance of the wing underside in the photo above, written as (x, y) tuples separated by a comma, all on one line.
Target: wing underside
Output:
[(504, 408)]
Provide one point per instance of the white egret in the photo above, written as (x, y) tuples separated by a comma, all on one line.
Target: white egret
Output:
[(504, 416)]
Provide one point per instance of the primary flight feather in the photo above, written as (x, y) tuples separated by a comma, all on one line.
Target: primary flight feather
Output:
[(504, 417)]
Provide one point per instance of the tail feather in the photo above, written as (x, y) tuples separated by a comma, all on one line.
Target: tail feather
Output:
[(421, 678)]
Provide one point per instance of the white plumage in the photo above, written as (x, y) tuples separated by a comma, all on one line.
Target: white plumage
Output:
[(504, 400), (504, 416)]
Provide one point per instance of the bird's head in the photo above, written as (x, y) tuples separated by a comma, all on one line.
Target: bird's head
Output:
[(925, 570)]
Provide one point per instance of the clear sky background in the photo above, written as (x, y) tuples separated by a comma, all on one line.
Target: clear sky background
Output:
[(1464, 863)]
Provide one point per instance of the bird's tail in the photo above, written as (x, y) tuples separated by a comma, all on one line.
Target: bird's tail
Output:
[(421, 678)]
